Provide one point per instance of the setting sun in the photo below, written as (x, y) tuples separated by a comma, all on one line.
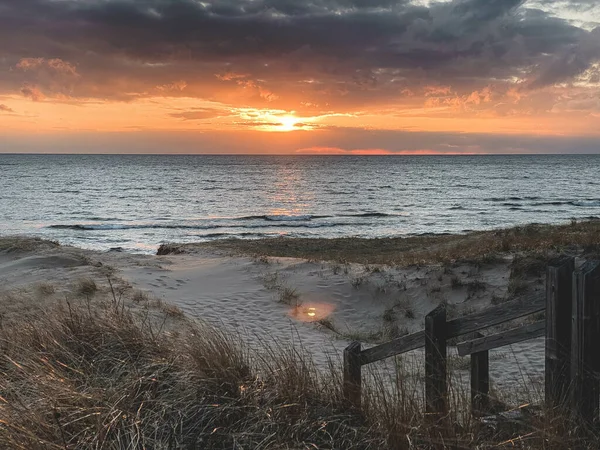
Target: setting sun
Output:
[(288, 123)]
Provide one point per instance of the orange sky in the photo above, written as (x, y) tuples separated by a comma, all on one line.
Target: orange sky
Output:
[(300, 77)]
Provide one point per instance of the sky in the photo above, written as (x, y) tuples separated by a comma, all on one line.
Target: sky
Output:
[(300, 76)]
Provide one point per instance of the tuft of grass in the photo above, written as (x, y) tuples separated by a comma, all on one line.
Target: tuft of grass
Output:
[(172, 310), (456, 362), (15, 244), (286, 295), (87, 287), (530, 265), (483, 246), (357, 282), (271, 281), (261, 259), (289, 296), (170, 249), (497, 300), (140, 297), (327, 323), (380, 289), (107, 378), (435, 289), (405, 306), (474, 287), (45, 289), (456, 282), (517, 286), (389, 315)]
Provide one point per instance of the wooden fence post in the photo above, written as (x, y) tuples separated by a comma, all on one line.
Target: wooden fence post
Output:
[(559, 295), (435, 363), (352, 375), (585, 358), (480, 380)]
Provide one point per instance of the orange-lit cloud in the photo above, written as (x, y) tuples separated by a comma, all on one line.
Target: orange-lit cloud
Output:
[(341, 151), (375, 151), (306, 74)]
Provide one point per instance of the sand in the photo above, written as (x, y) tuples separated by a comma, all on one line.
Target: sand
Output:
[(318, 306)]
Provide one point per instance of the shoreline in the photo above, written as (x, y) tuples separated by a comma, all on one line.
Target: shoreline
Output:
[(416, 249), (328, 290), (94, 237)]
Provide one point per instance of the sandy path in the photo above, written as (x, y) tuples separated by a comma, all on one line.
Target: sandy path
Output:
[(230, 292), (244, 296)]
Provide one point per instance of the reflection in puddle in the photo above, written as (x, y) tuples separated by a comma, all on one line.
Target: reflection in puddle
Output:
[(311, 312)]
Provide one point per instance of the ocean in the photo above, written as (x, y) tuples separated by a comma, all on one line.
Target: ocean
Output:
[(137, 202)]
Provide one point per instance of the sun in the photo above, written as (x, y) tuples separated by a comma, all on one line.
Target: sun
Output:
[(288, 123)]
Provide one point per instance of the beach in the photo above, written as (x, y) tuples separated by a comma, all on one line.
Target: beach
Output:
[(317, 294), (292, 225), (282, 305)]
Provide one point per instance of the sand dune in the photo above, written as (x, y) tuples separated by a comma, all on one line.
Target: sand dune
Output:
[(320, 306)]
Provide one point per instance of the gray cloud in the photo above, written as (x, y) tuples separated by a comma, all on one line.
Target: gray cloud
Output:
[(4, 108), (360, 50)]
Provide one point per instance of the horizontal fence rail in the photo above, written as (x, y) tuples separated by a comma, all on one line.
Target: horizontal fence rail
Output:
[(481, 344), (495, 315), (571, 328)]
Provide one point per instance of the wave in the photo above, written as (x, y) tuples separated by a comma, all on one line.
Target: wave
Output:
[(105, 226), (108, 227), (289, 218), (513, 198), (221, 235), (243, 222), (587, 203), (309, 217), (370, 214), (281, 217), (518, 201), (580, 203)]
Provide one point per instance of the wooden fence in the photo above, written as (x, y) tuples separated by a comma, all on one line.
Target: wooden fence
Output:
[(572, 353)]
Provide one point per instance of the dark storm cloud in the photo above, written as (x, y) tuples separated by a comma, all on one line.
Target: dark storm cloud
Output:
[(357, 43)]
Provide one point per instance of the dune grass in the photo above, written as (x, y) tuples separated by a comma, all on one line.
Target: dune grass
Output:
[(107, 377), (480, 247), (15, 244)]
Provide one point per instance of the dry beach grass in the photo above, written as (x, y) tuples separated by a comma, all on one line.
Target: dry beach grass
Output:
[(98, 363), (582, 236), (104, 377)]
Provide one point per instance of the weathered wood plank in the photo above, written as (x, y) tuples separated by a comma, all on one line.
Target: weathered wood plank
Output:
[(436, 394), (524, 333), (492, 316), (352, 375), (480, 381), (497, 314), (585, 358), (395, 347), (559, 294)]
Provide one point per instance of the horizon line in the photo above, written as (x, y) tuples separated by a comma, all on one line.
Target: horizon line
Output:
[(301, 155)]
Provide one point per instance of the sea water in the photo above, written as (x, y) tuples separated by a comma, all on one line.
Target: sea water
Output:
[(137, 202)]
